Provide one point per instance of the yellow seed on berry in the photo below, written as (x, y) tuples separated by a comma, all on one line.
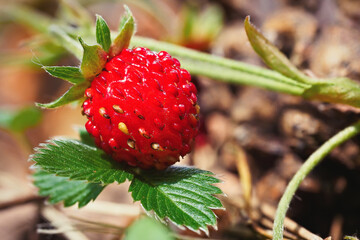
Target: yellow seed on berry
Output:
[(122, 127), (157, 147), (118, 109), (102, 111), (143, 133), (131, 143), (197, 107)]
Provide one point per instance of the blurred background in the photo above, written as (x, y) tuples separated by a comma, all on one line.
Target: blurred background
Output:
[(264, 136)]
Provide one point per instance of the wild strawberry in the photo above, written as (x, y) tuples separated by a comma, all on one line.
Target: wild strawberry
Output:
[(142, 109)]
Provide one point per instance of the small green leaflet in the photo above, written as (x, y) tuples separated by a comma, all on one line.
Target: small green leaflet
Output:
[(93, 61), (71, 74), (184, 195), (74, 93), (126, 31), (102, 33), (147, 229), (20, 120), (271, 54), (62, 189)]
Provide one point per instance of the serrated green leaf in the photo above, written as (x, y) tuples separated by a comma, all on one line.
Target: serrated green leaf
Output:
[(62, 189), (271, 54), (102, 33), (78, 161), (74, 93), (93, 61), (126, 31), (19, 121), (147, 229), (182, 194), (71, 74)]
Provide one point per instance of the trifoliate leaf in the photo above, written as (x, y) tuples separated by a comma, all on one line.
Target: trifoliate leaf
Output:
[(147, 228), (271, 54), (71, 74), (93, 61), (126, 31), (102, 33), (184, 195), (62, 189), (76, 92), (19, 121)]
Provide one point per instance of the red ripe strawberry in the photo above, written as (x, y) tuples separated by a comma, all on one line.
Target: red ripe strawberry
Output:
[(142, 109)]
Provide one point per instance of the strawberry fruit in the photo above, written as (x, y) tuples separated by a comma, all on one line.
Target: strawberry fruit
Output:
[(141, 106), (142, 109)]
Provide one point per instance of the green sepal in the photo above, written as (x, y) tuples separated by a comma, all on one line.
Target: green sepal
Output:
[(71, 74), (93, 61), (74, 93), (271, 55), (126, 31), (102, 33)]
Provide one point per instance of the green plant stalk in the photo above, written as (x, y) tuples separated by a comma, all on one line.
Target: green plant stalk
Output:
[(304, 170), (223, 69), (339, 90)]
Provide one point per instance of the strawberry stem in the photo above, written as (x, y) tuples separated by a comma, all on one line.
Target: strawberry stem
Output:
[(226, 70), (304, 170)]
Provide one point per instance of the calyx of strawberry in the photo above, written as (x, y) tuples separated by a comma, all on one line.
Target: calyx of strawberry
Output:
[(93, 60)]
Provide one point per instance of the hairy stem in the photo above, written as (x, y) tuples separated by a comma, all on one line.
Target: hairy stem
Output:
[(309, 164), (223, 69)]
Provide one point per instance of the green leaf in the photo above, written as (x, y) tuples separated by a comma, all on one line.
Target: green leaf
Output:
[(76, 92), (19, 121), (147, 228), (63, 189), (102, 33), (93, 61), (271, 54), (78, 161), (126, 31), (182, 194), (71, 74)]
